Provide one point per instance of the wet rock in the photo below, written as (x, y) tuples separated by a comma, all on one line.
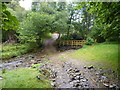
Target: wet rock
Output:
[(53, 75), (112, 86), (1, 65), (76, 85), (96, 73), (81, 77), (32, 57), (101, 69), (78, 74), (75, 81), (1, 77), (90, 67), (38, 77), (77, 77), (85, 67), (72, 78), (21, 61), (71, 74), (53, 84), (78, 81), (83, 80), (103, 77), (69, 70), (106, 84), (17, 65), (74, 75), (76, 70)]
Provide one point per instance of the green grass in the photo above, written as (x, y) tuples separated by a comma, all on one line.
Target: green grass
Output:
[(39, 64), (104, 53), (13, 50), (23, 78)]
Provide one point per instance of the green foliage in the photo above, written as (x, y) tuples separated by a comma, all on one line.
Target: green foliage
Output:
[(89, 41), (103, 12), (107, 27), (8, 21), (23, 78), (17, 11), (36, 27)]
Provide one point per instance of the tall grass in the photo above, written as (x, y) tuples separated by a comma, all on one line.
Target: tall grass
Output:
[(13, 50)]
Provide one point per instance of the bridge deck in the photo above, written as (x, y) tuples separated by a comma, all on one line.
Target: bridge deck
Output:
[(71, 42)]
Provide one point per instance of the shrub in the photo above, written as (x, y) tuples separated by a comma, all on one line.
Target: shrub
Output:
[(89, 41)]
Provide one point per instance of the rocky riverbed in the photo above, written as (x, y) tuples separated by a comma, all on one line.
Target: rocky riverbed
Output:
[(64, 72)]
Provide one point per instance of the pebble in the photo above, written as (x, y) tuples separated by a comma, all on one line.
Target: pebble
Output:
[(52, 84), (103, 77), (76, 70), (111, 86), (83, 80), (76, 85), (21, 61), (96, 73), (38, 77), (106, 85), (78, 73), (77, 77), (85, 67), (90, 67), (72, 78), (69, 69), (81, 77)]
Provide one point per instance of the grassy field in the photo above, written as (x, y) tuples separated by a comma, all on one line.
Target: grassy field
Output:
[(104, 53), (23, 78), (13, 50)]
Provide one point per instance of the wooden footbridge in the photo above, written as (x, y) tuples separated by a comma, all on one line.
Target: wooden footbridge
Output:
[(71, 42)]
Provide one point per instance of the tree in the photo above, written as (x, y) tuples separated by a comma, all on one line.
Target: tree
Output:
[(9, 24), (109, 25)]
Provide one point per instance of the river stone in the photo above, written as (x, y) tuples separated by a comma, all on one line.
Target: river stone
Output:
[(111, 86), (96, 73), (90, 67), (52, 84), (38, 77), (78, 81), (76, 70), (69, 69), (77, 77), (78, 73), (83, 80), (106, 85), (72, 78), (21, 61), (76, 85), (103, 77), (71, 74), (81, 77)]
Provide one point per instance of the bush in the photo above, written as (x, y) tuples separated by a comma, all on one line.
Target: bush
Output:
[(89, 41)]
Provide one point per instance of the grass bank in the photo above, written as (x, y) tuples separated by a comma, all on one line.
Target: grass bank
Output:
[(23, 78), (107, 54), (13, 50)]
